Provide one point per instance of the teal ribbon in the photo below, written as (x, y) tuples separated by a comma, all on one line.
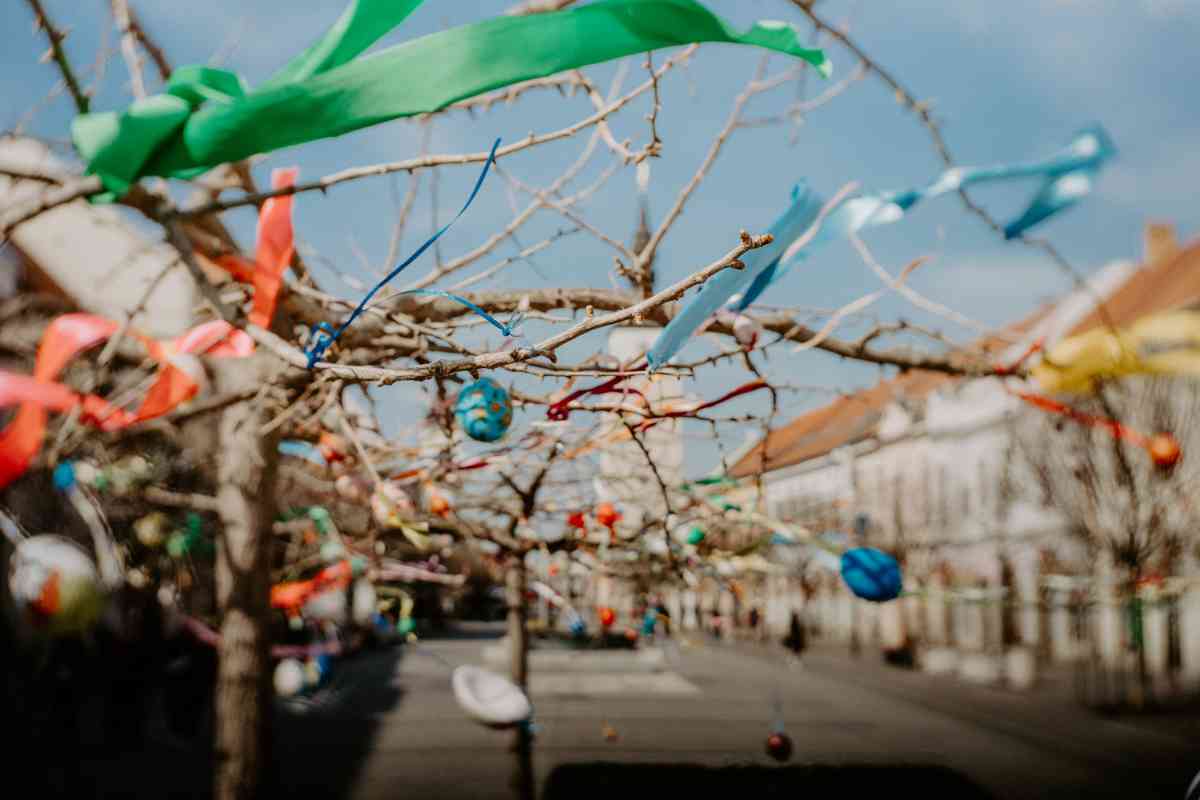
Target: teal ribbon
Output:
[(1067, 176)]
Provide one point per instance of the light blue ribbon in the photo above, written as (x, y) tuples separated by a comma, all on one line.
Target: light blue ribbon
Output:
[(505, 329), (1068, 176)]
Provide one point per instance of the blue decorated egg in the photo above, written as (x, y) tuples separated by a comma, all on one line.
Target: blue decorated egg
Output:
[(484, 410), (871, 574)]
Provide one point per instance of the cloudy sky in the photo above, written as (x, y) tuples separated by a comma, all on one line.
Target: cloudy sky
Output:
[(1008, 81)]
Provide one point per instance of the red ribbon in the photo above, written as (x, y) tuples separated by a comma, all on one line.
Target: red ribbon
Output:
[(1118, 430), (558, 410)]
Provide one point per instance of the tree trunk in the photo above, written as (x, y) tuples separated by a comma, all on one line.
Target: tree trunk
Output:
[(245, 494), (518, 642)]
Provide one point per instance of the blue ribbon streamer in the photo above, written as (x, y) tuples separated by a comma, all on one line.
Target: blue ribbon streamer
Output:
[(505, 330), (1068, 176), (323, 334)]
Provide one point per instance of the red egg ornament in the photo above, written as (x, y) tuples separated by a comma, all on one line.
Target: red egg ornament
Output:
[(779, 746), (577, 521), (1164, 451), (607, 617)]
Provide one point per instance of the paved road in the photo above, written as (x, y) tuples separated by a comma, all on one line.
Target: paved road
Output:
[(858, 729)]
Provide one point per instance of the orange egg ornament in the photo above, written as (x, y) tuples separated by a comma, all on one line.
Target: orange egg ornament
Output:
[(607, 515), (1164, 451), (439, 504), (607, 617), (332, 447)]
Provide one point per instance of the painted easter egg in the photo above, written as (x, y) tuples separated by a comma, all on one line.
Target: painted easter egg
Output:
[(390, 505), (871, 574), (55, 583), (1164, 451), (289, 677), (746, 331), (695, 535), (779, 746), (151, 530), (484, 410), (607, 515)]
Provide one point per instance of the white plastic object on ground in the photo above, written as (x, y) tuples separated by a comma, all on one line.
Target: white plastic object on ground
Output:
[(488, 698)]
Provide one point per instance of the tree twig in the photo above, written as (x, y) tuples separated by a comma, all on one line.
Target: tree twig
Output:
[(56, 37)]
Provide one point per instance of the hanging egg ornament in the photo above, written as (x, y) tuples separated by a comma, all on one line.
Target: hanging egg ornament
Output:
[(289, 677), (746, 331), (607, 617), (779, 746), (56, 585), (351, 488), (312, 674), (607, 515), (87, 474), (438, 503), (333, 448), (1164, 451), (484, 410), (151, 530), (577, 521), (695, 535), (871, 574), (390, 505), (332, 551), (64, 476)]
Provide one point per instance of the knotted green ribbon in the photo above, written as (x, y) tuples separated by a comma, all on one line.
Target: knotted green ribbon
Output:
[(209, 116)]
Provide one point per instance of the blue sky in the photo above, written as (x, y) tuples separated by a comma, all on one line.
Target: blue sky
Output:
[(1008, 81)]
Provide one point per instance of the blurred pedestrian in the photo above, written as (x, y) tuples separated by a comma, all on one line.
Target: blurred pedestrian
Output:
[(795, 640)]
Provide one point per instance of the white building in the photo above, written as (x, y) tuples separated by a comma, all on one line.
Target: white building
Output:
[(931, 464)]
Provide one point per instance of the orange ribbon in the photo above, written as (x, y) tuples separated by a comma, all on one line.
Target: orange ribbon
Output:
[(71, 334), (292, 596)]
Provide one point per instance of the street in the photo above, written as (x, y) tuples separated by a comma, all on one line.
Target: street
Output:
[(389, 727)]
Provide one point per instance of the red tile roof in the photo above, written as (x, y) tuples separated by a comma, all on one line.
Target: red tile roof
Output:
[(1170, 279)]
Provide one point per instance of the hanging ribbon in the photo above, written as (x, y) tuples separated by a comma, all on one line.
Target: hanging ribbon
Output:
[(324, 335), (1067, 176), (292, 595), (746, 388), (505, 329), (209, 116), (211, 638), (1161, 344), (1162, 448), (71, 334), (559, 410), (273, 251)]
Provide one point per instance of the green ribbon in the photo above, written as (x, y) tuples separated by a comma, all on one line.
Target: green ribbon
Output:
[(209, 116)]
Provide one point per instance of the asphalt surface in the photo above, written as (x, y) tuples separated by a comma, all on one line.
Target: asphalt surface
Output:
[(699, 725), (691, 723)]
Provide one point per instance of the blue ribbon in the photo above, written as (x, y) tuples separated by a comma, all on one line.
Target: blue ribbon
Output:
[(323, 334), (505, 330), (1068, 176)]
